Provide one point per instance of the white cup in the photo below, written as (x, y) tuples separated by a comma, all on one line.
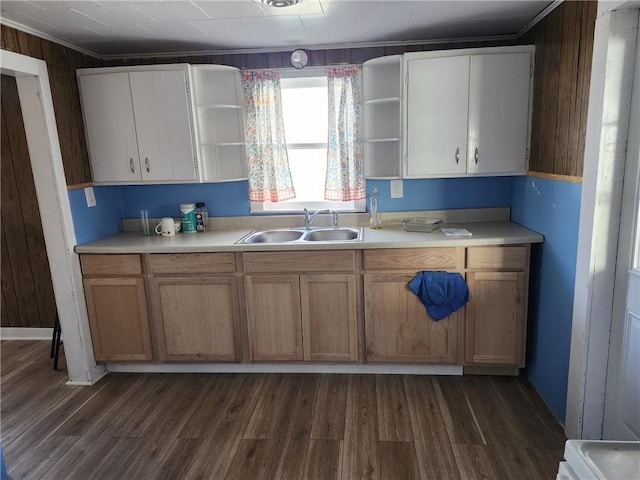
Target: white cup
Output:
[(166, 227)]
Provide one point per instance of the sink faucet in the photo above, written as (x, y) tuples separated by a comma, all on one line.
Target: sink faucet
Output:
[(308, 217)]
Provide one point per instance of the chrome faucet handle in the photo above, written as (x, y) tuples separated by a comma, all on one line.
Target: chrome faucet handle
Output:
[(335, 218), (307, 218)]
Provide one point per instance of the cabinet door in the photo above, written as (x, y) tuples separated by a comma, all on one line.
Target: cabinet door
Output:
[(163, 125), (329, 317), (117, 309), (398, 327), (499, 113), (197, 318), (110, 127), (273, 317), (495, 318), (436, 105)]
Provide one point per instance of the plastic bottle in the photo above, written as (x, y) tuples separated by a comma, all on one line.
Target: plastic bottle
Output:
[(188, 217), (202, 217), (374, 219)]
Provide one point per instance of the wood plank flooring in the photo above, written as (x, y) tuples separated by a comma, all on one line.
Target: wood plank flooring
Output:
[(254, 426)]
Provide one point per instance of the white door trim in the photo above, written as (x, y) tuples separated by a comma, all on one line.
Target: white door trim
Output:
[(53, 201), (603, 175)]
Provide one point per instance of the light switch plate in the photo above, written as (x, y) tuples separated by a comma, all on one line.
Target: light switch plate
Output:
[(90, 196), (396, 189)]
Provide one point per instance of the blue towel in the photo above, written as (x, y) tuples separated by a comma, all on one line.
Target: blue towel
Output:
[(441, 293)]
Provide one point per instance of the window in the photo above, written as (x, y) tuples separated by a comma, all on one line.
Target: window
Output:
[(305, 115)]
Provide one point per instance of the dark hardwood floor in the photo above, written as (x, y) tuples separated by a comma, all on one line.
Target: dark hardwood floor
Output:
[(254, 426)]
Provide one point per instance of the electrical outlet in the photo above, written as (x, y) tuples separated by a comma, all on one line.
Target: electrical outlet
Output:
[(90, 195), (396, 189)]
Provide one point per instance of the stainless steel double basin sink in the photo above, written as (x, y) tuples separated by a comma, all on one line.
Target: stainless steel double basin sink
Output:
[(291, 235)]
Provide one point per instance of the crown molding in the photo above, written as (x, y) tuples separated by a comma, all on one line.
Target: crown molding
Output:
[(38, 33)]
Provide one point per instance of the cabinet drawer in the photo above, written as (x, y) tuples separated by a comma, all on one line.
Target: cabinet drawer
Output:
[(201, 263), (414, 259), (498, 258), (300, 262), (111, 265)]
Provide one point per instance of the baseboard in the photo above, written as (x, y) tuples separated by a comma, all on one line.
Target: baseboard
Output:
[(498, 371), (25, 333), (283, 368)]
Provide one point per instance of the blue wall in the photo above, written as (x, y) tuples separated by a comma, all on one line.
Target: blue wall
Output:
[(551, 208), (231, 198), (445, 193), (228, 199), (100, 221)]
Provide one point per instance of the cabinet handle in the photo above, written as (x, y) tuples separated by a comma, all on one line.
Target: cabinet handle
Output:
[(457, 155), (476, 155), (146, 164), (131, 166)]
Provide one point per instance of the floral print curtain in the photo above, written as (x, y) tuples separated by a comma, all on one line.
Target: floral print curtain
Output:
[(345, 164), (269, 173)]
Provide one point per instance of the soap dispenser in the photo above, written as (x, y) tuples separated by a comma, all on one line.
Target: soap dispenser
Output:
[(374, 219)]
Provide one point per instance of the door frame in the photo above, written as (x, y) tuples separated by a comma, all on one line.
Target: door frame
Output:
[(627, 276), (41, 131), (608, 116)]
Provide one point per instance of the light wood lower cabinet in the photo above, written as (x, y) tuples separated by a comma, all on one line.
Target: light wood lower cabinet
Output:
[(117, 309), (495, 323), (496, 314), (329, 317), (398, 328), (302, 317), (196, 317), (306, 306), (302, 305), (273, 317)]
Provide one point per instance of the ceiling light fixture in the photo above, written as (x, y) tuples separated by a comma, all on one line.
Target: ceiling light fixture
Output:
[(280, 3)]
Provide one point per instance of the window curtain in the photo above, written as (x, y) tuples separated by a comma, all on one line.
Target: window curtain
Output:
[(269, 173), (345, 157)]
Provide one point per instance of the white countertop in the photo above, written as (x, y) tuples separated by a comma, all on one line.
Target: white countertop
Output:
[(389, 236)]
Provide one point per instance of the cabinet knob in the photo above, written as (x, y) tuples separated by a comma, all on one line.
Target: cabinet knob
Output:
[(132, 166), (146, 164), (476, 156), (457, 155)]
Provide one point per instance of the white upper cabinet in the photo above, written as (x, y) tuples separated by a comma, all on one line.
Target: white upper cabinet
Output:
[(499, 113), (468, 112), (110, 127), (220, 108), (163, 124), (382, 116), (139, 124), (437, 109)]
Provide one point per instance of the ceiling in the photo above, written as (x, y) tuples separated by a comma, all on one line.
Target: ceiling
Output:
[(138, 28)]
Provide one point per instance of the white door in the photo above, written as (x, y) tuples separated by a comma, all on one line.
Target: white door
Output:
[(436, 104), (498, 113), (110, 127), (622, 401), (163, 124)]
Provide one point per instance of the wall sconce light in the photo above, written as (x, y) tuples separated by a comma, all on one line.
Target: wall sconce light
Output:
[(299, 58)]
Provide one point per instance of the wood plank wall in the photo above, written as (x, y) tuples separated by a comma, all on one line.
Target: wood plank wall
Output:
[(27, 291), (62, 63), (564, 46), (317, 58)]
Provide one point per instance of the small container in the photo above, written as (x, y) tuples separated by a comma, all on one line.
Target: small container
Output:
[(374, 219), (202, 217), (421, 224), (145, 226), (188, 217)]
